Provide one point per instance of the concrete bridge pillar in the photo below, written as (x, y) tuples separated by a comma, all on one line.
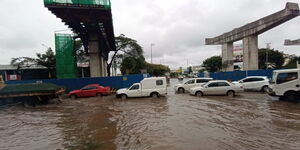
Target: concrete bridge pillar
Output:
[(227, 57), (250, 59), (97, 62)]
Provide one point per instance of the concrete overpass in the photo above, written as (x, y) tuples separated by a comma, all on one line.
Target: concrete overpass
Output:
[(249, 34), (92, 21)]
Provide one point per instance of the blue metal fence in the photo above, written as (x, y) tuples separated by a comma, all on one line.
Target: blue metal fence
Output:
[(72, 84), (237, 75)]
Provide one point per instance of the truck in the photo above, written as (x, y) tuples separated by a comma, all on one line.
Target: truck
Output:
[(286, 84), (148, 87)]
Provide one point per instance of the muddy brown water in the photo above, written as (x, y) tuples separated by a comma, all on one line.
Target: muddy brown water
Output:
[(176, 122)]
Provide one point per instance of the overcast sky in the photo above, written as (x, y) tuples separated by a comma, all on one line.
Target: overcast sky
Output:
[(177, 27)]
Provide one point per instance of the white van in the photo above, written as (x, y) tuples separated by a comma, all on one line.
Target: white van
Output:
[(286, 83), (153, 87)]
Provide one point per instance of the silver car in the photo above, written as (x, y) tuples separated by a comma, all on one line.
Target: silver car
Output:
[(218, 87)]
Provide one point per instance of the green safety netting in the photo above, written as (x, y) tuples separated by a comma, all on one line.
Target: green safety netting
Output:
[(66, 66), (105, 3)]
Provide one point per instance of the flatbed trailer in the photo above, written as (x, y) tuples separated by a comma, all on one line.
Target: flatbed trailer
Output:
[(23, 92)]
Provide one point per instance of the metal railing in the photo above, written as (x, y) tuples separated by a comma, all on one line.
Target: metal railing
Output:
[(105, 3)]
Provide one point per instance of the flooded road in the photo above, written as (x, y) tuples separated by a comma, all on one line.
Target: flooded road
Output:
[(176, 122)]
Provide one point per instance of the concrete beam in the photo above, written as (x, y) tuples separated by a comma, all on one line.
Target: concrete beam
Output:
[(97, 62), (250, 59), (291, 42), (227, 57), (257, 27)]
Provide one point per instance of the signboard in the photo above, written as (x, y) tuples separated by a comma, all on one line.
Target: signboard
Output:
[(238, 57)]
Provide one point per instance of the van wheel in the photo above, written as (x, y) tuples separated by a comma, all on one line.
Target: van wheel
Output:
[(199, 94), (154, 95), (230, 93), (181, 90), (265, 88), (291, 96), (123, 97), (73, 96), (99, 95)]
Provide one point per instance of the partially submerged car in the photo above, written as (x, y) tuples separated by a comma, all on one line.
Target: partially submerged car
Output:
[(181, 88), (153, 87), (255, 83), (217, 87), (90, 91)]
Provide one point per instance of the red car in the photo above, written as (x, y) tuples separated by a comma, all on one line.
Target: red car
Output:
[(90, 91)]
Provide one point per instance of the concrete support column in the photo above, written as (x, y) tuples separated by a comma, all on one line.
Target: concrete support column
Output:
[(97, 62), (227, 57), (250, 45)]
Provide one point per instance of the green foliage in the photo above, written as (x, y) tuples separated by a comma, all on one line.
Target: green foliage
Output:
[(190, 70), (293, 63), (157, 70), (126, 47), (174, 74), (275, 58), (47, 60), (132, 65), (213, 64)]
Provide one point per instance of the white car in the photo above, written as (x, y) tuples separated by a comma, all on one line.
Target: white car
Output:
[(181, 88), (153, 87), (255, 83), (286, 84), (218, 87)]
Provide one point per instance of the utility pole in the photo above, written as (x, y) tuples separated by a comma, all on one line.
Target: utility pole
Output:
[(267, 54), (151, 45)]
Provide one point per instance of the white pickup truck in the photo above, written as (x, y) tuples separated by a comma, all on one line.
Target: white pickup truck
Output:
[(153, 87), (286, 84)]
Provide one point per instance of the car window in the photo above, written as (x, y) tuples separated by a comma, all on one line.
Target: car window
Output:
[(223, 84), (159, 82), (89, 88), (190, 82), (257, 79), (286, 77), (248, 80), (215, 84), (135, 87), (202, 80)]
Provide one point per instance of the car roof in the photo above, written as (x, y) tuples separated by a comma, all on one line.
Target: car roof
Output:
[(217, 81), (200, 78), (256, 77), (286, 70)]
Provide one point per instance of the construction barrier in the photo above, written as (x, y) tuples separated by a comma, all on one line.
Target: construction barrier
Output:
[(73, 84), (238, 75)]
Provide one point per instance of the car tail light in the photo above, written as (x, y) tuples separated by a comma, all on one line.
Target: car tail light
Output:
[(242, 87)]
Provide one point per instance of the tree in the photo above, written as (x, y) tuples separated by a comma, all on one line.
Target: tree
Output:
[(22, 62), (157, 70), (47, 60), (292, 63), (275, 59), (125, 47), (132, 65), (213, 64)]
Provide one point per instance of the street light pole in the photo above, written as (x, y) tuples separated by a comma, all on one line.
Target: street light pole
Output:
[(151, 45), (267, 54)]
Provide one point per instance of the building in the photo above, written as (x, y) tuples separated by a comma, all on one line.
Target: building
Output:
[(10, 73)]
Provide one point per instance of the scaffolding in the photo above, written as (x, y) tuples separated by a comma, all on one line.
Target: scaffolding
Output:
[(104, 3), (66, 66)]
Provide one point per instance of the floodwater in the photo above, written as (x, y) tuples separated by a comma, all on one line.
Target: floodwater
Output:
[(176, 122)]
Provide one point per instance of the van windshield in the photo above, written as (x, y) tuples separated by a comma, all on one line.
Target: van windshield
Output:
[(273, 80)]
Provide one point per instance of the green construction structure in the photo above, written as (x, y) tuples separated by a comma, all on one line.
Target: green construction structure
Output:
[(91, 21), (66, 66)]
